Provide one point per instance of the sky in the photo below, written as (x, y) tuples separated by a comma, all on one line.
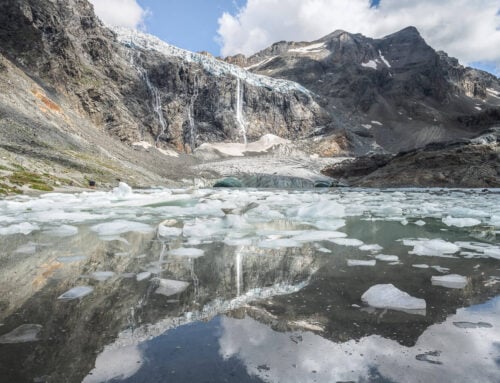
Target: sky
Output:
[(466, 29)]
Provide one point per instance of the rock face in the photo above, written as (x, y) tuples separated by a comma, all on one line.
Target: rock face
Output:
[(73, 90), (396, 90), (465, 163)]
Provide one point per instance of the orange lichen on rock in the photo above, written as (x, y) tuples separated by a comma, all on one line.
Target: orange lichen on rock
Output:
[(49, 105)]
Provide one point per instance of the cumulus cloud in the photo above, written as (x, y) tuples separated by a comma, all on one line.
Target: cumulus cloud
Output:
[(121, 13), (469, 30)]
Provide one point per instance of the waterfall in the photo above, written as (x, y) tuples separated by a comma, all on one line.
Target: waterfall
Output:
[(156, 98), (192, 127), (239, 110)]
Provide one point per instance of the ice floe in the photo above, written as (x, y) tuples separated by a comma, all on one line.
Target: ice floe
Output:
[(359, 262), (387, 296), (452, 281), (187, 252), (387, 258), (169, 287), (76, 293), (22, 334), (431, 247), (461, 222)]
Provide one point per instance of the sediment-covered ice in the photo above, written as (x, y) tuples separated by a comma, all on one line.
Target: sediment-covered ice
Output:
[(22, 334), (76, 292), (387, 296), (452, 281)]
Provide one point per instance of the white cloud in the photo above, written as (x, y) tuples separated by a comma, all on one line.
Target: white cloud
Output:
[(469, 30), (121, 13)]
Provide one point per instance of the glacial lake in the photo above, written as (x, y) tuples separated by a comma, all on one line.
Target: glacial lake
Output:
[(251, 285)]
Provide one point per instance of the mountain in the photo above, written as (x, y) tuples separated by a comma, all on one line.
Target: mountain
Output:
[(397, 89), (82, 102)]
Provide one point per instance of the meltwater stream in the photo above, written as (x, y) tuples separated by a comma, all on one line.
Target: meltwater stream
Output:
[(249, 285)]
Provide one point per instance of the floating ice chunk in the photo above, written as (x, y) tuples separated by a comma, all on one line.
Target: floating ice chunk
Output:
[(71, 259), (19, 228), (330, 224), (495, 220), (142, 276), (169, 231), (169, 287), (347, 242), (390, 211), (419, 222), (452, 281), (440, 269), (472, 325), (102, 275), (76, 292), (420, 266), (187, 252), (323, 250), (461, 222), (238, 241), (311, 236), (388, 296), (359, 262), (122, 190), (374, 247), (62, 231), (118, 227), (492, 252), (323, 209), (432, 247), (278, 243), (22, 334), (387, 258), (29, 248)]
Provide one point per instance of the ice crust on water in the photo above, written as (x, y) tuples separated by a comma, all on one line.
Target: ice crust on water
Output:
[(76, 293), (452, 281), (387, 296), (461, 222), (359, 262), (187, 252), (432, 247), (22, 334)]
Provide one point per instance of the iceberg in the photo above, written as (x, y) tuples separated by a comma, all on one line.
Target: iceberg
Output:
[(387, 296)]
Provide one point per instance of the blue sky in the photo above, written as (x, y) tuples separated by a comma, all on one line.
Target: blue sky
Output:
[(188, 24)]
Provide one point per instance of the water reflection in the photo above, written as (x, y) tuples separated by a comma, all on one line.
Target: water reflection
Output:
[(230, 290)]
